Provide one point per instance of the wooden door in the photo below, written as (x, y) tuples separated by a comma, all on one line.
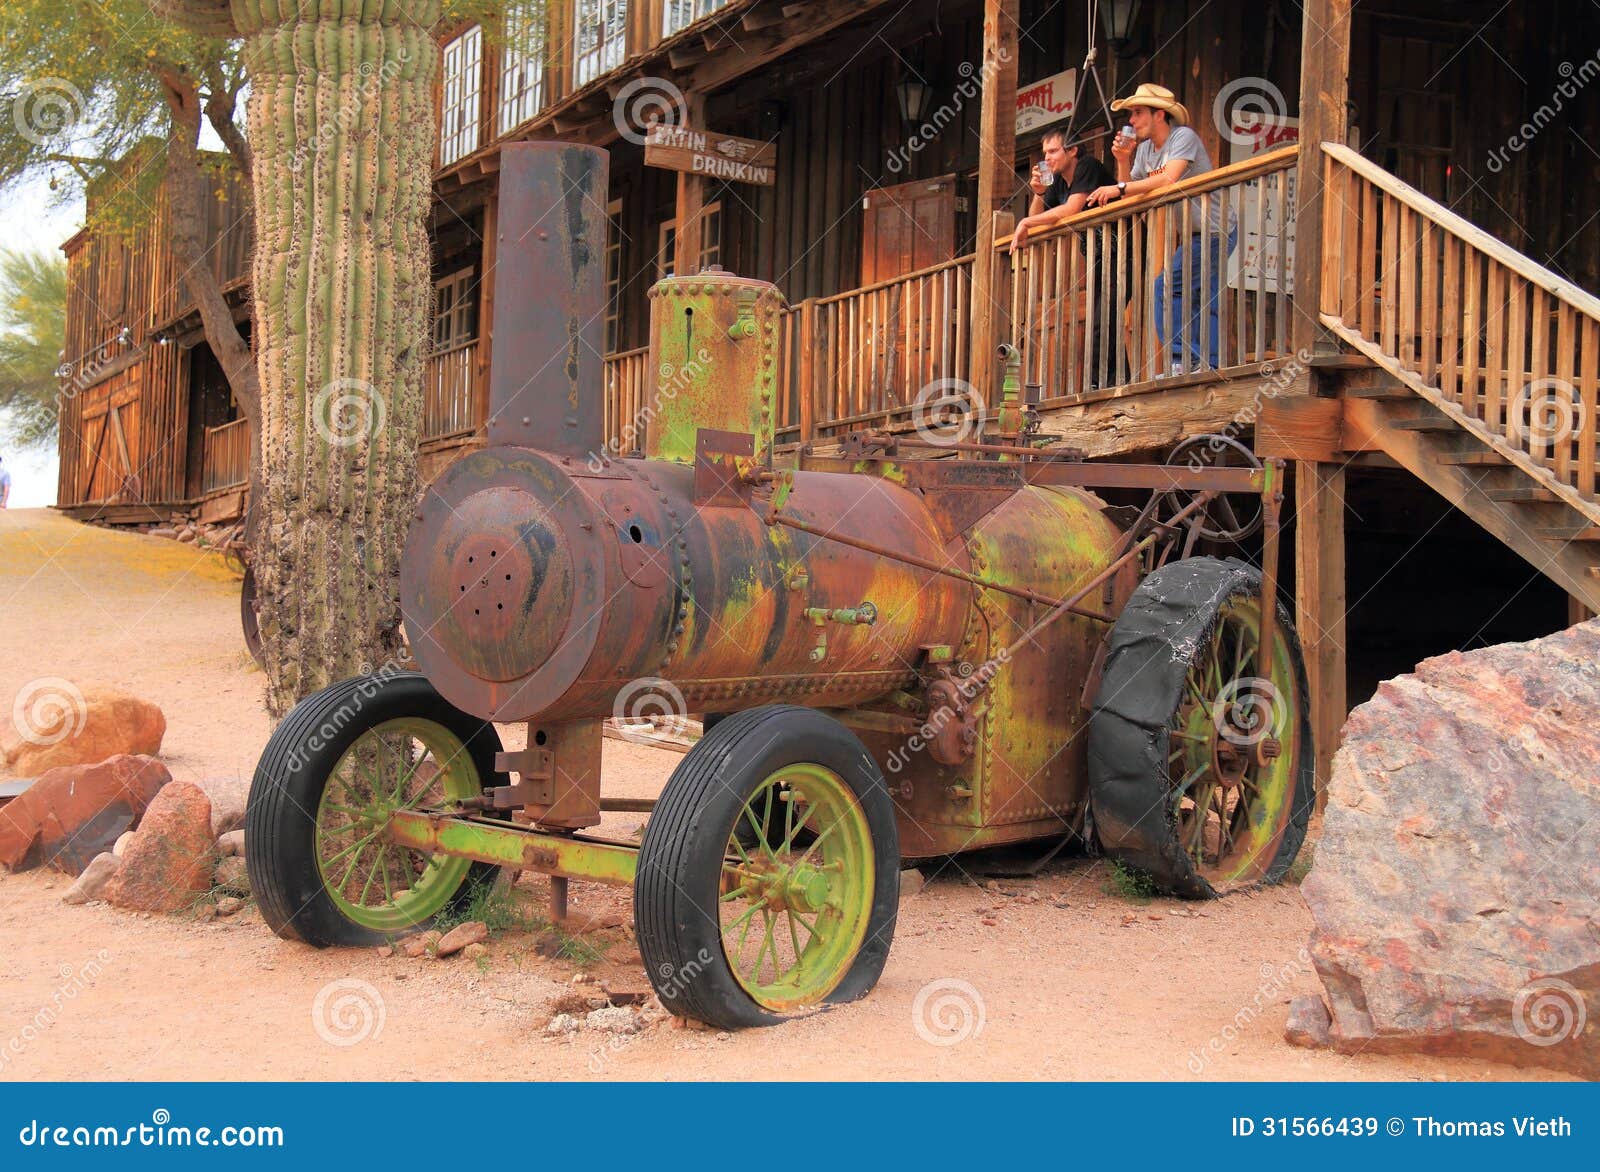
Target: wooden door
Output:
[(110, 447), (907, 227)]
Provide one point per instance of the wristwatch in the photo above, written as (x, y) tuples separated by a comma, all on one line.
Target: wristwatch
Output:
[(1122, 188)]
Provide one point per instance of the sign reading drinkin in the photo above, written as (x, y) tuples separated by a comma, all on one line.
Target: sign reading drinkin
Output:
[(715, 156)]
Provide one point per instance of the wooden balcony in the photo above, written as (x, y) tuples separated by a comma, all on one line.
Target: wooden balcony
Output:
[(450, 393)]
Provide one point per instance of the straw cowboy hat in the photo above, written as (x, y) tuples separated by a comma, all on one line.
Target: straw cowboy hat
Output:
[(1155, 97)]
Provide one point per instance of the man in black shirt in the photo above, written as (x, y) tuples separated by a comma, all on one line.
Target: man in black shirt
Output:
[(1073, 176)]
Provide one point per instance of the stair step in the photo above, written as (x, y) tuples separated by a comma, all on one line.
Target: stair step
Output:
[(1523, 495), (1474, 459), (1427, 423), (1571, 533), (1394, 393)]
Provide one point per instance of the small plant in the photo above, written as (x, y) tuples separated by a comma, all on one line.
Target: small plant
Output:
[(497, 906), (1129, 882), (578, 950)]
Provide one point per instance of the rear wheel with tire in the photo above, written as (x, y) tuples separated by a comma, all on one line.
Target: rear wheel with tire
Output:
[(338, 766), (768, 879), (1201, 772)]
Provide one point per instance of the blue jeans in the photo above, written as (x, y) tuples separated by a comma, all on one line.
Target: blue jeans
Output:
[(1180, 302)]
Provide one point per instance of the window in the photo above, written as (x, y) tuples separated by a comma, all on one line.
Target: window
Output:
[(455, 315), (602, 38), (614, 277), (463, 93), (680, 14), (710, 241), (522, 66)]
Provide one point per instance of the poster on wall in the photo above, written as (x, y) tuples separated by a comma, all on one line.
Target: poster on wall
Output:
[(1050, 100), (1263, 234)]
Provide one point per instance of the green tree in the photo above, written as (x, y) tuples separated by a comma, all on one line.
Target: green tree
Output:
[(33, 307)]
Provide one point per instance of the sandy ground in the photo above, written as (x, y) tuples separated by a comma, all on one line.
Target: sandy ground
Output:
[(1051, 977)]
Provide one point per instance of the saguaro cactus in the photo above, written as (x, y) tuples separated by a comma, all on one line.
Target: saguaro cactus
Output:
[(342, 125)]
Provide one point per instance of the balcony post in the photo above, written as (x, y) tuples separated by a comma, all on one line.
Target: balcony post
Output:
[(691, 200), (1324, 93), (997, 182)]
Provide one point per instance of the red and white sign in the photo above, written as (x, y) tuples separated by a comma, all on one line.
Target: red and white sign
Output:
[(1046, 101)]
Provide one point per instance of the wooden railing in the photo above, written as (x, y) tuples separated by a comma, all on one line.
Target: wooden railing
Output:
[(1499, 342), (626, 386), (225, 457), (450, 392), (867, 354), (1092, 300)]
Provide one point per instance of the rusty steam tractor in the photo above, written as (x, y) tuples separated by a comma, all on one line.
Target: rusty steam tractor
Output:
[(916, 647)]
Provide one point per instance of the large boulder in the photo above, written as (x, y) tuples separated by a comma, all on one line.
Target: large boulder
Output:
[(53, 723), (169, 863), (1456, 879), (76, 812)]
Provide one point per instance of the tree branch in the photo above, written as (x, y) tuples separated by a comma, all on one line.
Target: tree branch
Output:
[(210, 18), (221, 103)]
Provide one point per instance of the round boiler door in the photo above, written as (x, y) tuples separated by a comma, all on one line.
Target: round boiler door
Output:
[(502, 586)]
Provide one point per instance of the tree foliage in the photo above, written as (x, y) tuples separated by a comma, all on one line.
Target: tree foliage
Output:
[(33, 306)]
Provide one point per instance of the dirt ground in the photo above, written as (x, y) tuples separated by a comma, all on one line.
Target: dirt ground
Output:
[(1053, 977)]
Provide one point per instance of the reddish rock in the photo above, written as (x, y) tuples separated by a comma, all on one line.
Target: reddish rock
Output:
[(60, 725), (76, 812), (457, 938), (1308, 1023), (1454, 886), (92, 883), (170, 861), (416, 946)]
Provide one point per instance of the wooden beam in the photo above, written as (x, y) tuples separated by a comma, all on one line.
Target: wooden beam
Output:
[(491, 230), (1300, 428), (997, 180), (691, 201), (1319, 599), (1324, 90)]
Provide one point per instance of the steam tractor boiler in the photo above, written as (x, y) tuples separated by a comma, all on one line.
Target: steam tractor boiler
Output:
[(923, 641)]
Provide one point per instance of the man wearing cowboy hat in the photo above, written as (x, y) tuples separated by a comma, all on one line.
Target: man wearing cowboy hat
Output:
[(1168, 150)]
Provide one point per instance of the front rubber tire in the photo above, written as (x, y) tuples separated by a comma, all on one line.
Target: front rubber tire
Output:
[(678, 892), (287, 793)]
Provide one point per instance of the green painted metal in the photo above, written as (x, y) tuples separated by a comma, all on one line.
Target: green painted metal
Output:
[(394, 766), (797, 893), (510, 845)]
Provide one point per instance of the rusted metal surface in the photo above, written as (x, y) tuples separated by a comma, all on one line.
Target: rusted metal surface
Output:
[(544, 383)]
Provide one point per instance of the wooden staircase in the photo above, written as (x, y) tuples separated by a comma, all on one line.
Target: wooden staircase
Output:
[(1483, 375)]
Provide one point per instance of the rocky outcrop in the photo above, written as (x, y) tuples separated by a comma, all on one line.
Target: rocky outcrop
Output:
[(169, 863), (56, 725), (76, 812), (1456, 879)]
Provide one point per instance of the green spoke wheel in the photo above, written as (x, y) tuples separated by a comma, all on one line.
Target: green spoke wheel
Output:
[(769, 872), (335, 771), (1201, 770)]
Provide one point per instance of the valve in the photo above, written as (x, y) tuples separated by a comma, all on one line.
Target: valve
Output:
[(864, 615)]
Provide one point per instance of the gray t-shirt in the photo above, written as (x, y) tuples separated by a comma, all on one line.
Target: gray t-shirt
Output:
[(1182, 143)]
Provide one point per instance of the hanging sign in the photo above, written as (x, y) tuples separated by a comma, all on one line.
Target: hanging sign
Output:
[(715, 156), (1047, 101)]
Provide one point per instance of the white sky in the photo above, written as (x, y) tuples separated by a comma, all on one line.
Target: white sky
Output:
[(30, 219)]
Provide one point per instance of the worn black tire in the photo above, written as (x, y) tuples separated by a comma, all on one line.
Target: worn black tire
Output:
[(675, 899), (280, 818), (1140, 691)]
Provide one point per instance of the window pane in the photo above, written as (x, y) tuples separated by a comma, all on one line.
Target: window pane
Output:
[(463, 93)]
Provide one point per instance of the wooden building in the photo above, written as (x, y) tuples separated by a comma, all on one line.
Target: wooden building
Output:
[(1401, 289)]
